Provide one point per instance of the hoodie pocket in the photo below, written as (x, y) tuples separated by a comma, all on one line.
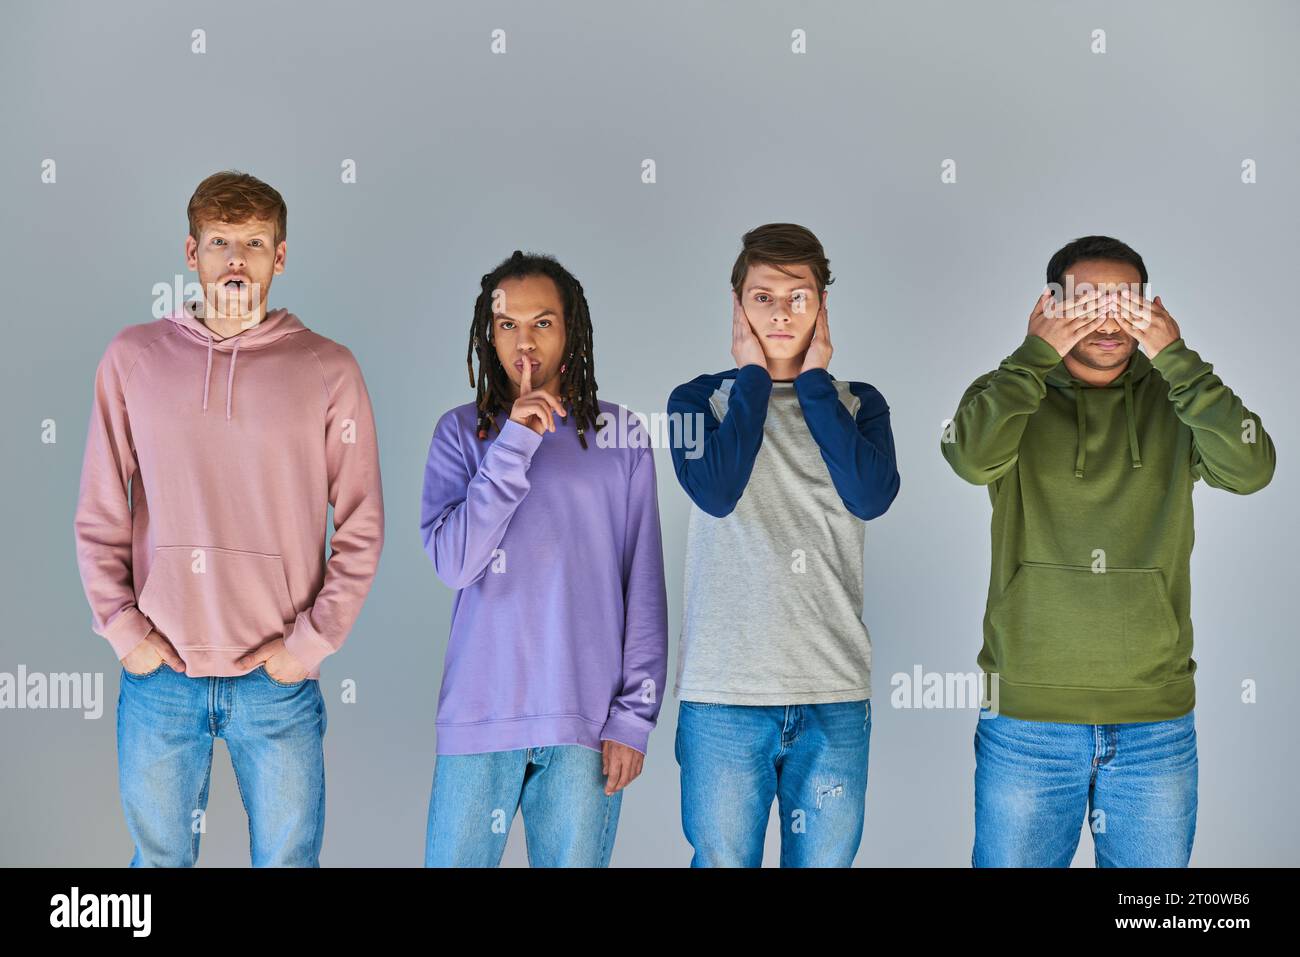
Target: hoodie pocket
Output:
[(204, 597), (1068, 626)]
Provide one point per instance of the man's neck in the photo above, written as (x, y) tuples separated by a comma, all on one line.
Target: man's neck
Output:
[(226, 326), (1096, 378), (784, 370)]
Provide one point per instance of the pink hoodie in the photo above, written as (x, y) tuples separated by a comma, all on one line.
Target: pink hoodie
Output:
[(220, 544)]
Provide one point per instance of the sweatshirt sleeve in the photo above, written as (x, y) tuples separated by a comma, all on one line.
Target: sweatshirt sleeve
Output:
[(1230, 448), (464, 514), (858, 449), (635, 708), (103, 521), (983, 441), (352, 467), (715, 474)]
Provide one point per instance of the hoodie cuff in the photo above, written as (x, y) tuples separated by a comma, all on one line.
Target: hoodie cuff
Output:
[(1038, 354), (1177, 363), (307, 644), (127, 630), (627, 729)]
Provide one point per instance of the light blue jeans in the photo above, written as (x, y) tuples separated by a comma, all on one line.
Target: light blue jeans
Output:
[(736, 758), (568, 819), (166, 723), (1037, 783)]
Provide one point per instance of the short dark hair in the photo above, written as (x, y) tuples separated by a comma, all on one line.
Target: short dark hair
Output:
[(1092, 247), (780, 245)]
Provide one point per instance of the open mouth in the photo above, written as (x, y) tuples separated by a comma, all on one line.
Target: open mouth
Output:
[(235, 282)]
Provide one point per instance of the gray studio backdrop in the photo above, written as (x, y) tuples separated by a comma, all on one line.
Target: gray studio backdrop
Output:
[(462, 155)]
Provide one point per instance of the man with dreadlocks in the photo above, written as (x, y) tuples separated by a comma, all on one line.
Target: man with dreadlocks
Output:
[(774, 673), (559, 635)]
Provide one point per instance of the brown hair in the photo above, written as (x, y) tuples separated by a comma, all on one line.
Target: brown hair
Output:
[(778, 245), (234, 197)]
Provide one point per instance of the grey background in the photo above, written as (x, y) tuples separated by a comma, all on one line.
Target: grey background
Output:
[(464, 156)]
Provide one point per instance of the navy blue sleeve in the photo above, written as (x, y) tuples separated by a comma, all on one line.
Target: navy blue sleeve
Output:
[(858, 449), (715, 472)]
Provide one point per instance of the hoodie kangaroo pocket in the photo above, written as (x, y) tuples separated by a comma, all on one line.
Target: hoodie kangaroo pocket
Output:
[(204, 597), (1068, 626)]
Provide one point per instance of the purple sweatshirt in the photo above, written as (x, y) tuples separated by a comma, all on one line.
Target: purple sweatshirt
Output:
[(559, 630)]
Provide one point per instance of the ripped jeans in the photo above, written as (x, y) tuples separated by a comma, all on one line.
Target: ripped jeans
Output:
[(736, 758)]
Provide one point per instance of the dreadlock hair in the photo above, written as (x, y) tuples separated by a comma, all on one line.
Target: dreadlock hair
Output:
[(577, 372)]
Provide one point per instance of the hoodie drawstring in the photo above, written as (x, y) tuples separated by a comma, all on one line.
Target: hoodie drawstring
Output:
[(207, 375), (230, 380), (1132, 423), (1082, 426), (275, 325)]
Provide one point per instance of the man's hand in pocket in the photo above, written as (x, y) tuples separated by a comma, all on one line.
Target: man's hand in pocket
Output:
[(144, 657), (280, 665)]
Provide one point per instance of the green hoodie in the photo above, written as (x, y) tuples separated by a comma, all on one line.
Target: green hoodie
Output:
[(1088, 617)]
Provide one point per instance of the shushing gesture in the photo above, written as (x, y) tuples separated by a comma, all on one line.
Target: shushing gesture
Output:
[(535, 408)]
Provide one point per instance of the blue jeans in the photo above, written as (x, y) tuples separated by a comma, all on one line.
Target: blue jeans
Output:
[(166, 723), (736, 758), (568, 819), (1037, 781)]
